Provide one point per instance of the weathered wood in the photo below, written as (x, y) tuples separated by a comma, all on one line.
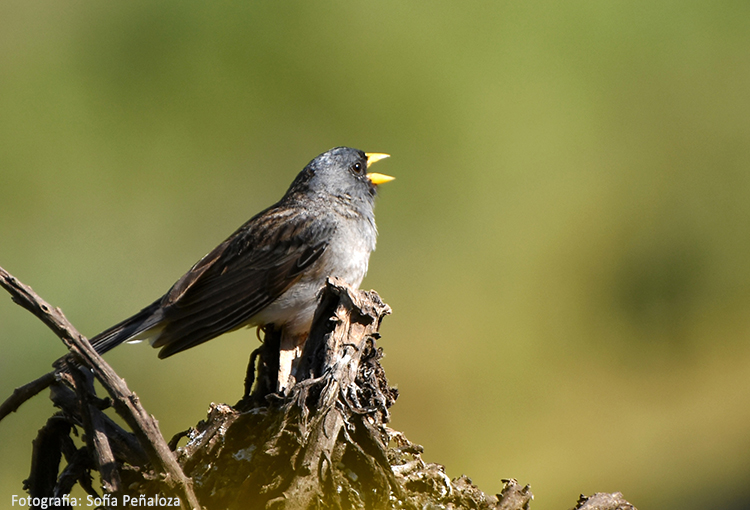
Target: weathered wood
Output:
[(126, 403), (603, 501), (95, 431), (326, 444), (46, 455), (24, 393), (323, 443)]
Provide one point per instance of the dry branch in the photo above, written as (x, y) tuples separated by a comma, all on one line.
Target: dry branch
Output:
[(24, 393), (325, 443), (126, 403)]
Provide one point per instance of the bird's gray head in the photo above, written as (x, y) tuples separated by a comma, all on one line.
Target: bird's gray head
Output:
[(341, 172)]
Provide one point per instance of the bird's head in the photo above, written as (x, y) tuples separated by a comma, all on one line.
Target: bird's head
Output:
[(342, 171)]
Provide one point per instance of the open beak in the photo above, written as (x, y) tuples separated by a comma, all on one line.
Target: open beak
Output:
[(376, 179)]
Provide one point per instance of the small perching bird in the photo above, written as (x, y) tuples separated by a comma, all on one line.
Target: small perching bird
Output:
[(272, 268)]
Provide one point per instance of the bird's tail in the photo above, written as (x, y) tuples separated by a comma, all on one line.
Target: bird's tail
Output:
[(137, 327)]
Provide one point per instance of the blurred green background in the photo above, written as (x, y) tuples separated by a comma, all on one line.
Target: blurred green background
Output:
[(565, 247)]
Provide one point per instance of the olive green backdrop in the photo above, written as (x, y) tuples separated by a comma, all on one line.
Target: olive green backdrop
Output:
[(565, 247)]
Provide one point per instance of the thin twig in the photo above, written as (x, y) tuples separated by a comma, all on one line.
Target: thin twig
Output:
[(24, 393)]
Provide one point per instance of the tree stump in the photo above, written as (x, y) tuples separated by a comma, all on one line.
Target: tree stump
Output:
[(324, 443)]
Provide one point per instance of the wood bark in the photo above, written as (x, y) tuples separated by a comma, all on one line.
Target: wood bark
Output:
[(323, 443)]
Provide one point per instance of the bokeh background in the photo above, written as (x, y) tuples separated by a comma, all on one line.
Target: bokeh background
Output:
[(565, 247)]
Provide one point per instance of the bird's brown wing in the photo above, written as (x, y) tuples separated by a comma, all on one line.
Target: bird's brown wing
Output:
[(239, 278)]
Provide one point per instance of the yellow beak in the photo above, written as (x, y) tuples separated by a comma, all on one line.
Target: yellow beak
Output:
[(373, 157)]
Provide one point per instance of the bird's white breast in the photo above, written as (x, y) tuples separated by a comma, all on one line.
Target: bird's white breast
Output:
[(347, 256)]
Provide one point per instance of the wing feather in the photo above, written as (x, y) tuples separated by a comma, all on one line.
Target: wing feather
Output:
[(242, 276)]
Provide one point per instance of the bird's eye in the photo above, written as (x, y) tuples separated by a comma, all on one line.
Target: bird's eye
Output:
[(357, 167)]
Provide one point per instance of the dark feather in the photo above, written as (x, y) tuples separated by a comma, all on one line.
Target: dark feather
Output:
[(255, 265), (231, 284), (130, 327)]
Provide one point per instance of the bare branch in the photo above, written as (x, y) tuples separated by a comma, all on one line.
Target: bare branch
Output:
[(126, 402), (24, 393), (323, 443), (94, 425)]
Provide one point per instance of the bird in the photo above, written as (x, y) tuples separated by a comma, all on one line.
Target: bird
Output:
[(272, 268)]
